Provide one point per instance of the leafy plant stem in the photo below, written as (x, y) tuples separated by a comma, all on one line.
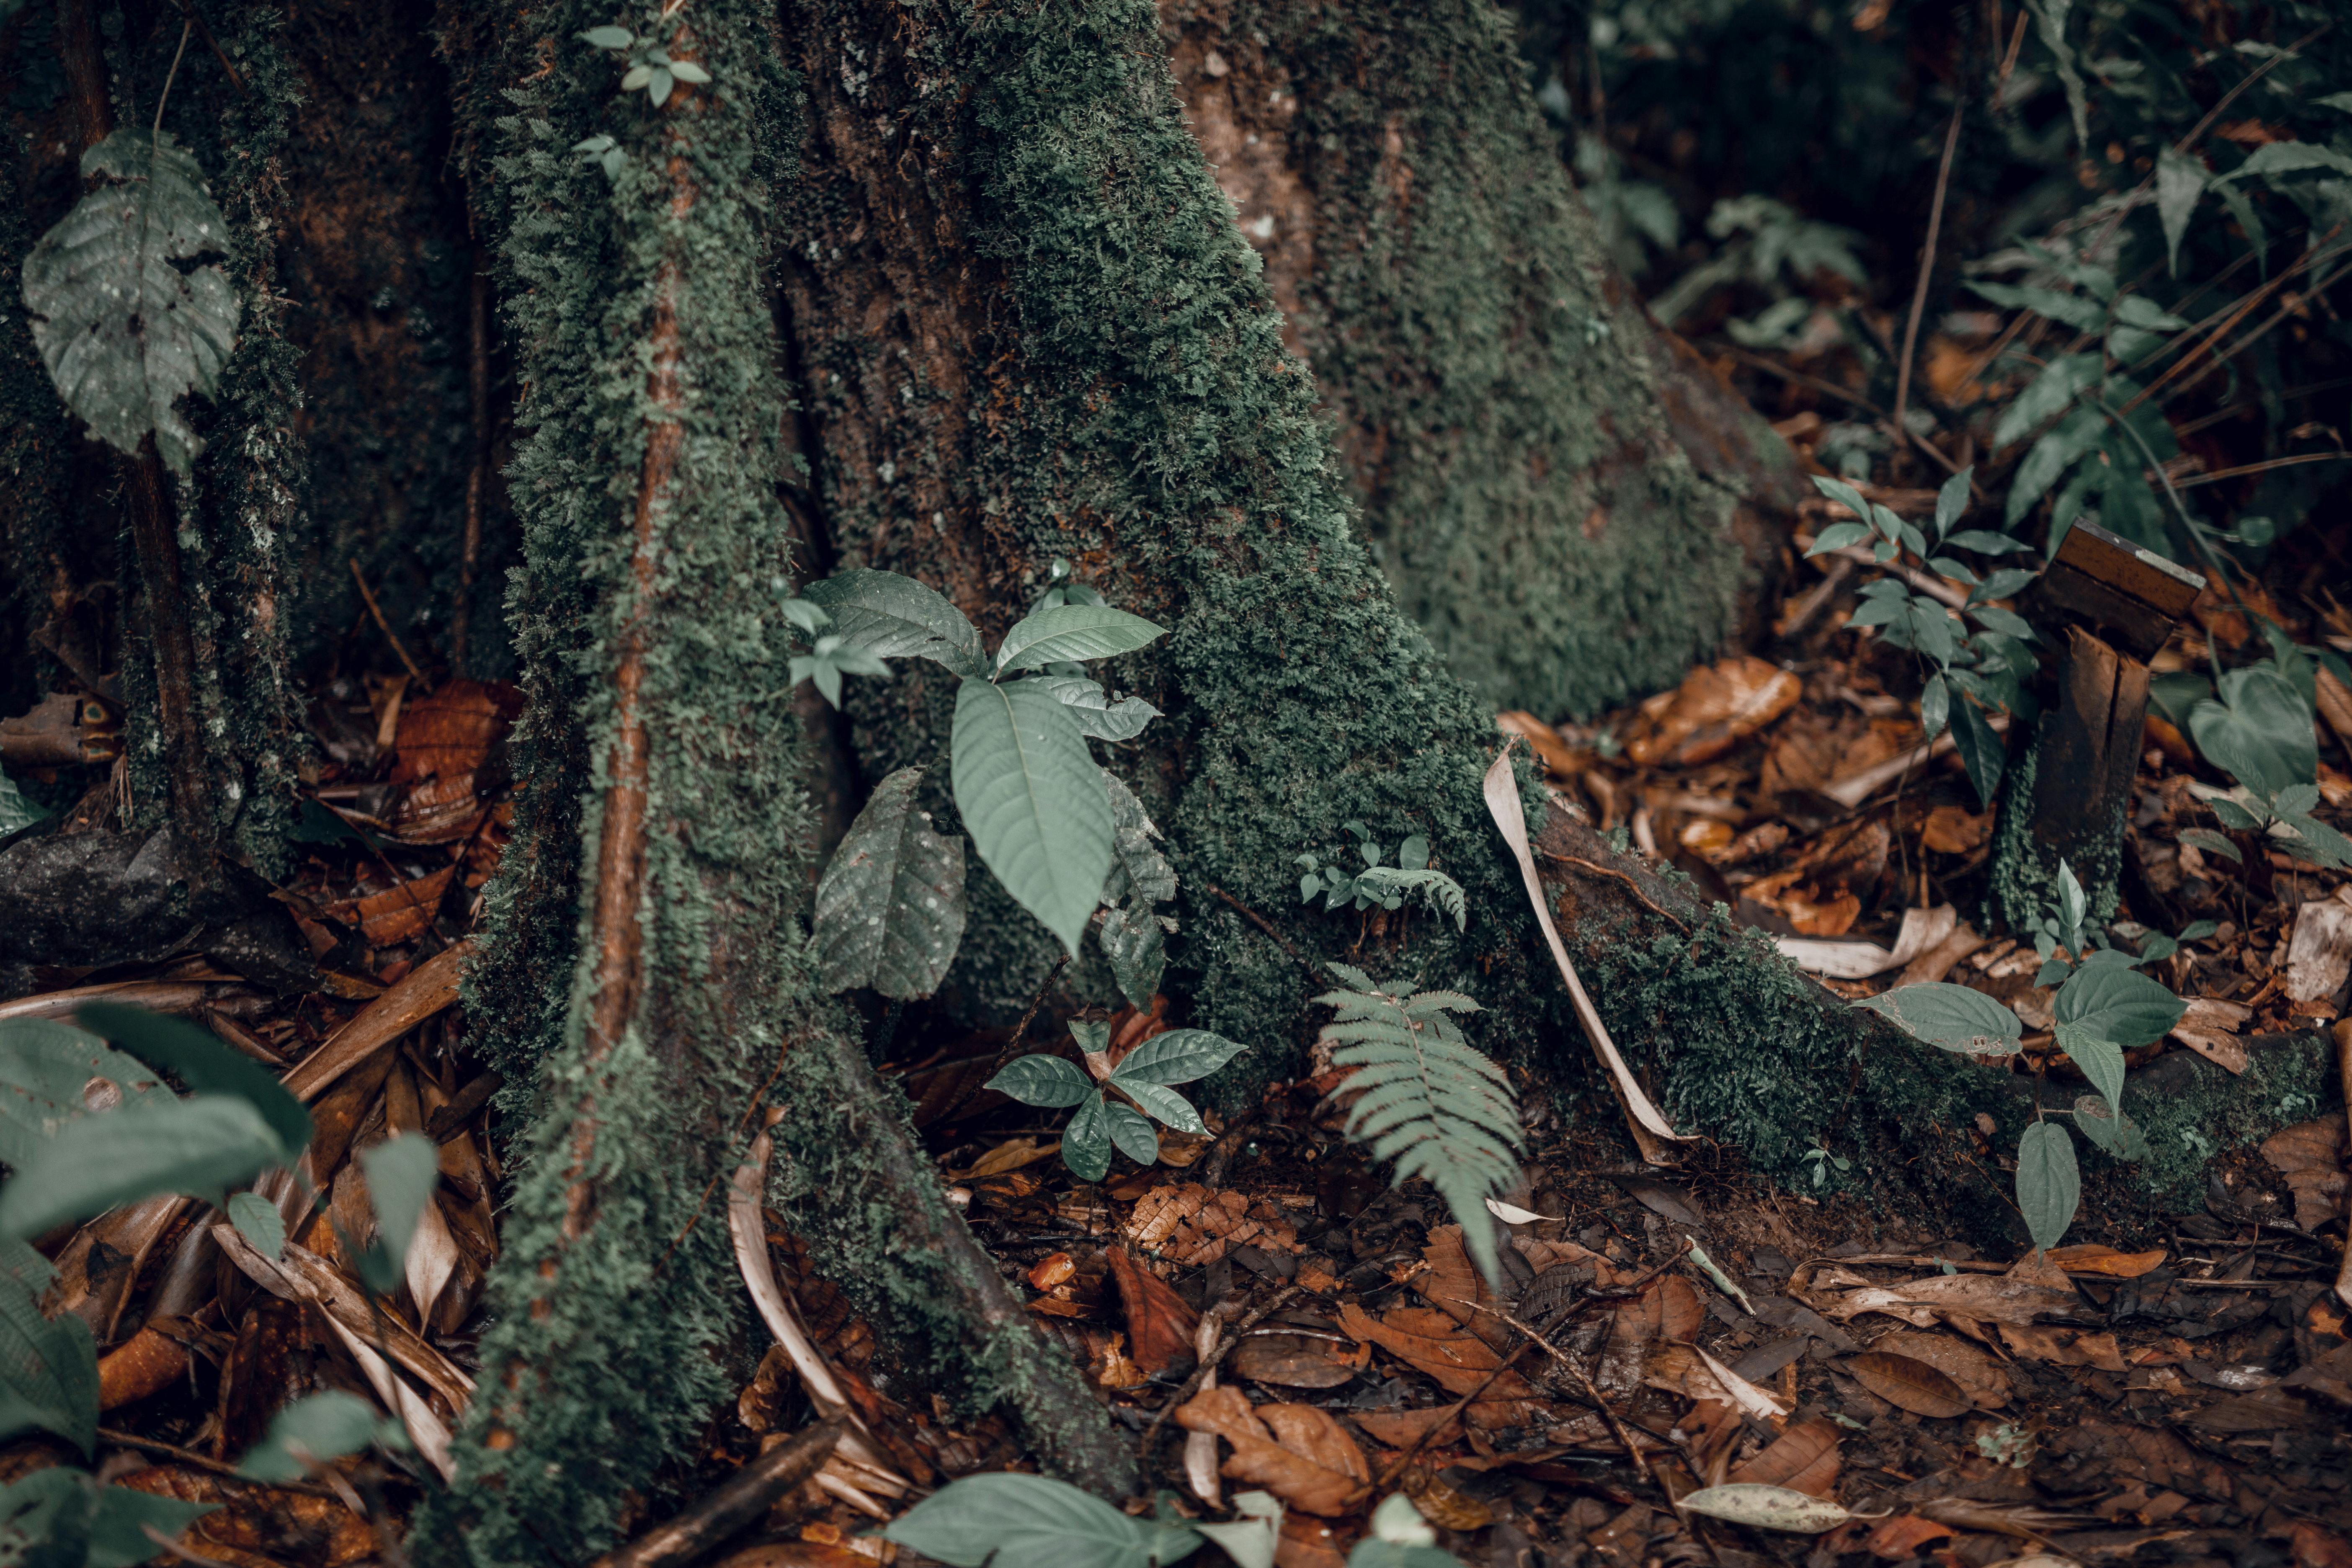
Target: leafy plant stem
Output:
[(2246, 307), (1926, 272), (164, 97), (1020, 1032)]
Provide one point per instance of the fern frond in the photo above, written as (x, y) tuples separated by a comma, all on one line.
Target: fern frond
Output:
[(1422, 1098), (1436, 885)]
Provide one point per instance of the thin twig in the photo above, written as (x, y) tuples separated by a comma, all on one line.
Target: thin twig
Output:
[(1226, 1343), (165, 96), (1266, 926), (1623, 877), (213, 1467), (2218, 475), (1795, 377), (1625, 1438), (213, 44), (1926, 272), (383, 626)]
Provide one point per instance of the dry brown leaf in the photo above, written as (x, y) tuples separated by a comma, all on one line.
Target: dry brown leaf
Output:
[(1803, 1458), (2093, 1259), (1979, 1376), (1440, 1504), (1716, 708), (1949, 830), (1403, 1428), (1899, 1538), (1300, 1481), (1191, 1226), (2319, 957), (2310, 1154), (451, 732), (1987, 1298), (249, 1522), (1558, 757), (1433, 1342), (1308, 1542), (397, 914), (1909, 1384), (1315, 1435), (1160, 1322), (1112, 1369), (2063, 1347), (2210, 1028), (436, 811), (1009, 1155), (1297, 1361)]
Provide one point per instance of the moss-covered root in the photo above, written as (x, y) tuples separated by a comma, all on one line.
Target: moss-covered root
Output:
[(855, 1180), (1743, 1048)]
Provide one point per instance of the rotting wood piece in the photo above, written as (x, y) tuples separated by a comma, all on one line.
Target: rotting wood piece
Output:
[(742, 1499)]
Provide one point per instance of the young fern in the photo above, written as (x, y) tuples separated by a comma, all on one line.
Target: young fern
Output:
[(1424, 1098)]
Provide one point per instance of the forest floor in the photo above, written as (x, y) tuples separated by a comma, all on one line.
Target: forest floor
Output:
[(2177, 1390)]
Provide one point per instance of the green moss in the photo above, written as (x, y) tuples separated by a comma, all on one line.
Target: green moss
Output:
[(1519, 482), (2194, 1110), (2024, 873)]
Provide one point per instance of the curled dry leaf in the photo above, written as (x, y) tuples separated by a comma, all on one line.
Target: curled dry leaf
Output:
[(1899, 1538), (1265, 1455), (1979, 1377), (1191, 1226), (2093, 1259), (1160, 1322), (1433, 1342), (1440, 1504), (2309, 1154), (1716, 707), (2210, 1028), (1767, 1508), (1909, 1384), (1803, 1458), (1009, 1155)]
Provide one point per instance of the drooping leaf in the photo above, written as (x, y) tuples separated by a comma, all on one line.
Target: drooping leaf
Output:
[(1034, 801), (310, 1432), (1979, 748), (401, 1174), (899, 617), (2116, 1003), (1031, 1521), (1953, 1016), (1146, 873), (2259, 730), (2048, 395), (1136, 944), (44, 1520), (1165, 1104), (1087, 1141), (1073, 633), (207, 1067), (125, 330), (2211, 843), (119, 1524), (48, 1369), (2314, 840), (200, 1146), (50, 1074), (2050, 22), (1041, 1079), (1179, 1056), (16, 808), (2074, 434), (1952, 501), (2069, 309), (2102, 1060), (2049, 1183), (2112, 1131), (890, 910), (2179, 181)]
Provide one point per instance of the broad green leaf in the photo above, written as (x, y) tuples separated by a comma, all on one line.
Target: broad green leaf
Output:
[(2052, 455), (200, 1146), (2114, 1002), (1034, 801), (1087, 1141), (125, 328), (1073, 633), (1130, 1132), (1761, 1507), (1179, 1056), (1250, 1541), (1030, 1522), (1837, 536), (2273, 159), (2119, 1135), (312, 1432), (1935, 707), (1098, 715), (116, 1537), (52, 1073), (48, 1369), (607, 38), (1164, 1103), (2102, 1060), (2001, 585), (890, 910), (207, 1067), (2069, 309), (258, 1220), (1845, 494), (2008, 623), (2260, 730), (2049, 1183), (899, 617), (687, 70), (1139, 869), (1042, 1080), (2047, 395), (44, 1520), (1952, 501), (1952, 1016), (1980, 749), (2179, 181)]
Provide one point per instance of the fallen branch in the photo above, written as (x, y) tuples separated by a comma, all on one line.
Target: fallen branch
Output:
[(747, 1495)]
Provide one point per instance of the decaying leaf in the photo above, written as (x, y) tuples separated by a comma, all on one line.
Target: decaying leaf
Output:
[(1433, 1342), (2091, 1257), (1898, 1539), (1440, 1504), (1767, 1508), (1191, 1226), (1301, 1359), (2210, 1028), (1977, 1374), (2309, 1154), (1987, 1298), (2063, 1347), (1716, 707), (1909, 1384), (1160, 1322), (1803, 1458), (1296, 1452)]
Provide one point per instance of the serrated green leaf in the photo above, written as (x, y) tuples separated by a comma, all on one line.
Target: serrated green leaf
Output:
[(1179, 1056), (1042, 1080), (124, 328), (2114, 1002), (204, 1064), (1087, 1141), (1073, 633), (50, 1074), (899, 617), (1034, 801), (200, 1146), (2047, 395), (1018, 1520), (1953, 1016), (891, 909), (2048, 1183)]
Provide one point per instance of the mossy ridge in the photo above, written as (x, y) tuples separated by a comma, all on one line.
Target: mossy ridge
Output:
[(2024, 877), (598, 1369), (1520, 485)]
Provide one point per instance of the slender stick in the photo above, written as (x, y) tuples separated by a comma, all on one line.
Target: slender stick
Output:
[(196, 1461), (165, 96), (743, 1498), (1625, 1438), (1926, 272), (1265, 925), (376, 610)]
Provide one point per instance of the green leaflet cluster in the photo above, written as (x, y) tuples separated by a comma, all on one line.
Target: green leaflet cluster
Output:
[(1420, 1095), (1140, 1082)]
